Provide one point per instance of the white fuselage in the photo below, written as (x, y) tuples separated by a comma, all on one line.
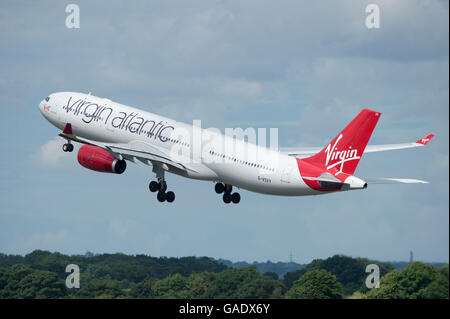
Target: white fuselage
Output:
[(245, 165)]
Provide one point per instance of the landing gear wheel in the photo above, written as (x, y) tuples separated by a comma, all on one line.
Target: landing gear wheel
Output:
[(67, 147), (226, 198), (154, 186), (170, 197), (228, 188), (235, 198), (162, 186), (219, 188), (161, 196)]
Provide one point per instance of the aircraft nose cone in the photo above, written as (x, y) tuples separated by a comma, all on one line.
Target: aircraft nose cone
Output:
[(41, 106)]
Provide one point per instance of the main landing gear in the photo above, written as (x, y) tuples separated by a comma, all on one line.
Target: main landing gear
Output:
[(67, 147), (228, 197), (160, 186)]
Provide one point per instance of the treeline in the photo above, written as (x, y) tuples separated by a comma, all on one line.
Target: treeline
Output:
[(399, 265), (41, 274), (278, 268), (281, 268)]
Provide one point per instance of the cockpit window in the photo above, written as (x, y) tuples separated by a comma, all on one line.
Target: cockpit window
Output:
[(47, 98)]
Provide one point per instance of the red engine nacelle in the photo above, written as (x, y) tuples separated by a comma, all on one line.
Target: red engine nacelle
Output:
[(100, 160)]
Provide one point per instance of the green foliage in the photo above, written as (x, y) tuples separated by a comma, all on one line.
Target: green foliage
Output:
[(102, 276), (271, 274), (174, 286), (399, 265), (137, 268), (416, 281), (389, 287), (230, 283), (350, 272), (9, 260), (316, 284), (291, 277), (358, 295), (261, 287), (201, 285), (280, 268), (438, 288), (41, 274), (100, 289), (144, 289), (23, 282)]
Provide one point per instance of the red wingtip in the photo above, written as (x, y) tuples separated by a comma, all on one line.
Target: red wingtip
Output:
[(68, 129), (425, 140)]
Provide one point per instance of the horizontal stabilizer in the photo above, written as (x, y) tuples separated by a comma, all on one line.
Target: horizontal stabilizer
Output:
[(394, 181), (331, 179)]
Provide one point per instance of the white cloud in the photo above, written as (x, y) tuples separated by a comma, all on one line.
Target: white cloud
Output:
[(51, 154)]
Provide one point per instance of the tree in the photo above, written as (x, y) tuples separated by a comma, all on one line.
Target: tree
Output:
[(416, 281), (228, 281), (144, 289), (174, 286), (438, 289), (101, 289), (201, 285), (389, 287), (316, 284), (21, 281), (290, 277), (41, 284), (350, 272), (261, 287), (271, 274)]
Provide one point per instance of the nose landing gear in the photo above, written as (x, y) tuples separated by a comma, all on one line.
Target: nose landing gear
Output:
[(67, 147), (228, 197)]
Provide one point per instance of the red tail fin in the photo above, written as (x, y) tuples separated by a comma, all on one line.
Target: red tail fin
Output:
[(343, 153)]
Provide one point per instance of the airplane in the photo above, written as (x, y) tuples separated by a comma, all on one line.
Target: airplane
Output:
[(112, 134)]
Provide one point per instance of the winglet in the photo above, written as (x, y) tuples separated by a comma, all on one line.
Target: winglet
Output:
[(68, 129), (425, 140)]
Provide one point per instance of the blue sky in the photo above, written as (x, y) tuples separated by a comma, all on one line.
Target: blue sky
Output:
[(304, 67)]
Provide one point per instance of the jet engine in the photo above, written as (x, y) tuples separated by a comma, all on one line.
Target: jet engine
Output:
[(100, 160)]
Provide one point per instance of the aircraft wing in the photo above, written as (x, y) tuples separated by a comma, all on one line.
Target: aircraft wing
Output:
[(143, 152), (135, 151), (309, 151)]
